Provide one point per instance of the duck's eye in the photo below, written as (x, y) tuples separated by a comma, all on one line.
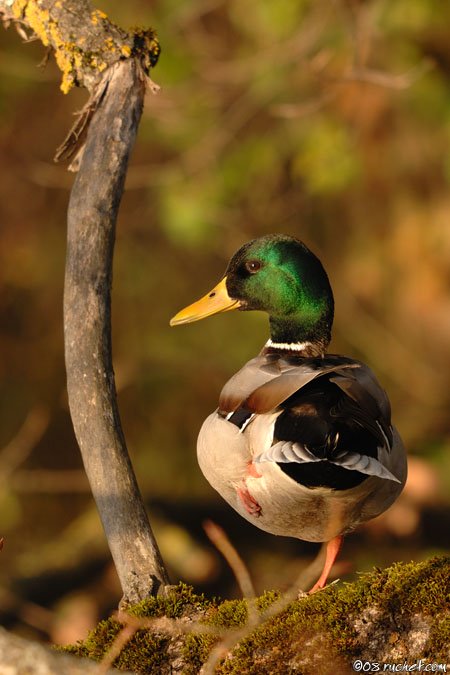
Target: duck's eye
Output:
[(252, 266)]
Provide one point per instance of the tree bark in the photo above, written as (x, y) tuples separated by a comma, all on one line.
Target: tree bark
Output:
[(113, 65), (92, 214)]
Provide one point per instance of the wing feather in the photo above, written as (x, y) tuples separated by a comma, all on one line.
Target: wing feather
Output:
[(286, 452), (268, 380), (272, 394)]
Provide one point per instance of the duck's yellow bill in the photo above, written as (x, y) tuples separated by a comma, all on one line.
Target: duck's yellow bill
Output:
[(214, 302)]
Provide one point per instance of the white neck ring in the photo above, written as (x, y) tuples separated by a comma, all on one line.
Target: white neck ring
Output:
[(291, 346)]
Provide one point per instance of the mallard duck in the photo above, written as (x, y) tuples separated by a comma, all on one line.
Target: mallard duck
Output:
[(302, 443)]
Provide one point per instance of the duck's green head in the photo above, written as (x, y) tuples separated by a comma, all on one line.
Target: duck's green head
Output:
[(279, 275)]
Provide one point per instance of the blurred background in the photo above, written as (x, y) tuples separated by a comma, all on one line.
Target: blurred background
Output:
[(325, 119)]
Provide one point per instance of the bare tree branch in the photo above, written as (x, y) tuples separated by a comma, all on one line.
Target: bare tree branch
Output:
[(113, 65), (19, 448), (92, 216)]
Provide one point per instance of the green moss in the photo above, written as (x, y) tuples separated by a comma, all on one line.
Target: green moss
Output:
[(179, 602), (195, 651), (97, 642), (267, 599), (145, 653), (229, 614), (324, 622), (307, 635), (437, 648)]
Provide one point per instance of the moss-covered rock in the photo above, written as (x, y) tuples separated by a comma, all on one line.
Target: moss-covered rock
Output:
[(386, 616)]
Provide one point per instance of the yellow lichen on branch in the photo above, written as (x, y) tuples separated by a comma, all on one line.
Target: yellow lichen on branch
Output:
[(97, 16), (37, 18), (82, 53)]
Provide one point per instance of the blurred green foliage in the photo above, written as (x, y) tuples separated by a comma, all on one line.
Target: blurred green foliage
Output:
[(326, 120)]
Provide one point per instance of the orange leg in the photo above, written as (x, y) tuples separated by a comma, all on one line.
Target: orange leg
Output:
[(333, 548), (248, 501)]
